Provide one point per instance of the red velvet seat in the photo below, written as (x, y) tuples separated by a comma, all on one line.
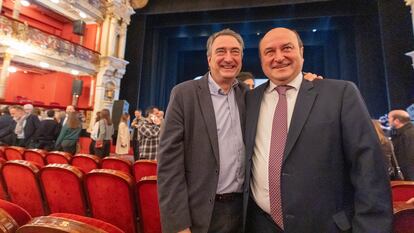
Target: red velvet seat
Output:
[(55, 224), (35, 156), (20, 178), (144, 168), (20, 215), (86, 162), (7, 223), (3, 191), (402, 190), (115, 163), (14, 153), (403, 218), (148, 209), (107, 227), (63, 189), (59, 157), (2, 154), (111, 199)]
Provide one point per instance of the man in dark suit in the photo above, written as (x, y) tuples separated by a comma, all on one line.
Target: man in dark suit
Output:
[(6, 127), (313, 162), (26, 125), (201, 153)]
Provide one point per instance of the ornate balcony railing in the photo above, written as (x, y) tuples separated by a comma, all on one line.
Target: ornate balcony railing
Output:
[(13, 30)]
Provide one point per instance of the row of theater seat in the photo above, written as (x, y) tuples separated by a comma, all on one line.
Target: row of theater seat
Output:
[(16, 219), (110, 195)]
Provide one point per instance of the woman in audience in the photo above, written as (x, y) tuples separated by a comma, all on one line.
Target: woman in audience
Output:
[(105, 131), (94, 133), (122, 142), (69, 135), (386, 146)]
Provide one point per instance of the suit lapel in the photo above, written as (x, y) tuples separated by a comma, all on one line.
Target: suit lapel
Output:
[(207, 111), (304, 102), (239, 93)]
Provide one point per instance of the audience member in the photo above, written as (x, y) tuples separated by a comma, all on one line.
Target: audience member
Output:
[(94, 133), (386, 147), (47, 132), (26, 125), (69, 135), (122, 142), (134, 138), (105, 132), (148, 134), (247, 78), (7, 125), (403, 140)]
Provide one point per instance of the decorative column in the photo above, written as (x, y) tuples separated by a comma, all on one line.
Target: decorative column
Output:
[(16, 9), (4, 74), (122, 40), (411, 4), (1, 4)]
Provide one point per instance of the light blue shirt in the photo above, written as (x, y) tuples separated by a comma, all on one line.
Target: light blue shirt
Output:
[(230, 138)]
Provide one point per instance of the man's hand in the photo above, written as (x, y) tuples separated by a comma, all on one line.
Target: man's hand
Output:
[(311, 76), (185, 231)]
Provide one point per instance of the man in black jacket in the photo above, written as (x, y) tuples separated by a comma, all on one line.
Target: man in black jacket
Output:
[(6, 127), (47, 132), (26, 125), (403, 140)]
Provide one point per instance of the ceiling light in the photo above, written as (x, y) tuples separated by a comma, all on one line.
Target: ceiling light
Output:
[(55, 1), (74, 72), (12, 69), (82, 14), (25, 3), (314, 30), (44, 64)]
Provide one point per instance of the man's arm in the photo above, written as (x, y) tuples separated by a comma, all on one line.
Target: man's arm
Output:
[(172, 184), (372, 194)]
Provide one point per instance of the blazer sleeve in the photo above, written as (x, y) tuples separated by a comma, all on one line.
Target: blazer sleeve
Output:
[(172, 184), (372, 194)]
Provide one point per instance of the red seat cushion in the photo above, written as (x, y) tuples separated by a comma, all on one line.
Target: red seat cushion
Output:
[(20, 215), (116, 163), (144, 168), (85, 162), (149, 211), (107, 227), (402, 190)]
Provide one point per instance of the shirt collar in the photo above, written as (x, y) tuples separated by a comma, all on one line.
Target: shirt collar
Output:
[(215, 88), (295, 83)]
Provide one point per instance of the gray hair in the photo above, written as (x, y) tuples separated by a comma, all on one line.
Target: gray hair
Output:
[(224, 32)]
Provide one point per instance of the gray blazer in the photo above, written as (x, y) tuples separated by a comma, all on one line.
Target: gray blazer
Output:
[(188, 161), (333, 176)]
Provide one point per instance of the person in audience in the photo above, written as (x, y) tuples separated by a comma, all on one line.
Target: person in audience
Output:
[(148, 135), (105, 132), (6, 127), (135, 143), (403, 140), (312, 153), (26, 125), (122, 142), (69, 109), (247, 78), (28, 108), (47, 132), (69, 135), (386, 147), (94, 133)]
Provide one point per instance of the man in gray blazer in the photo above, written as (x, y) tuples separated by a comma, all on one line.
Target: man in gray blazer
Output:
[(325, 171), (201, 154)]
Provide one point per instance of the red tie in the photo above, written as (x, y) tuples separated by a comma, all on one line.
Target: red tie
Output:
[(277, 147)]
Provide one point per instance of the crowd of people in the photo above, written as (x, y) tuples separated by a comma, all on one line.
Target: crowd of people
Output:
[(26, 127)]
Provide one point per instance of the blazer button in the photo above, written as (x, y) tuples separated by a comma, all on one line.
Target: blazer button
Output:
[(211, 200), (216, 171)]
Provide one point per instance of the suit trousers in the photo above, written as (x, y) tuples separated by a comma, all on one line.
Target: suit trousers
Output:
[(227, 216), (259, 221)]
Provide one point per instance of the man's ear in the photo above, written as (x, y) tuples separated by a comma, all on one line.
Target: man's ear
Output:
[(301, 51)]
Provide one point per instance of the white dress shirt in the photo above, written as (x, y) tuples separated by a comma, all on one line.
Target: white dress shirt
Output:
[(260, 161)]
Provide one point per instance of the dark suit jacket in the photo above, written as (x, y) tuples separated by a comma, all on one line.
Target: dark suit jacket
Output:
[(188, 162), (7, 125), (32, 123), (333, 174), (48, 130)]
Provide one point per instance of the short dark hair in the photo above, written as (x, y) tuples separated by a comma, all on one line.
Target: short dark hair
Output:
[(243, 76), (224, 32), (149, 110), (50, 113), (402, 118)]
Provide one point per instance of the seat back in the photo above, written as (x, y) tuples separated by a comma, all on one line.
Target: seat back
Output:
[(2, 154), (35, 156), (51, 224), (20, 215), (147, 201), (107, 227), (14, 153), (402, 190), (63, 189), (59, 157), (111, 199), (403, 218), (144, 168), (86, 162), (3, 191), (20, 178), (116, 163), (7, 224)]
